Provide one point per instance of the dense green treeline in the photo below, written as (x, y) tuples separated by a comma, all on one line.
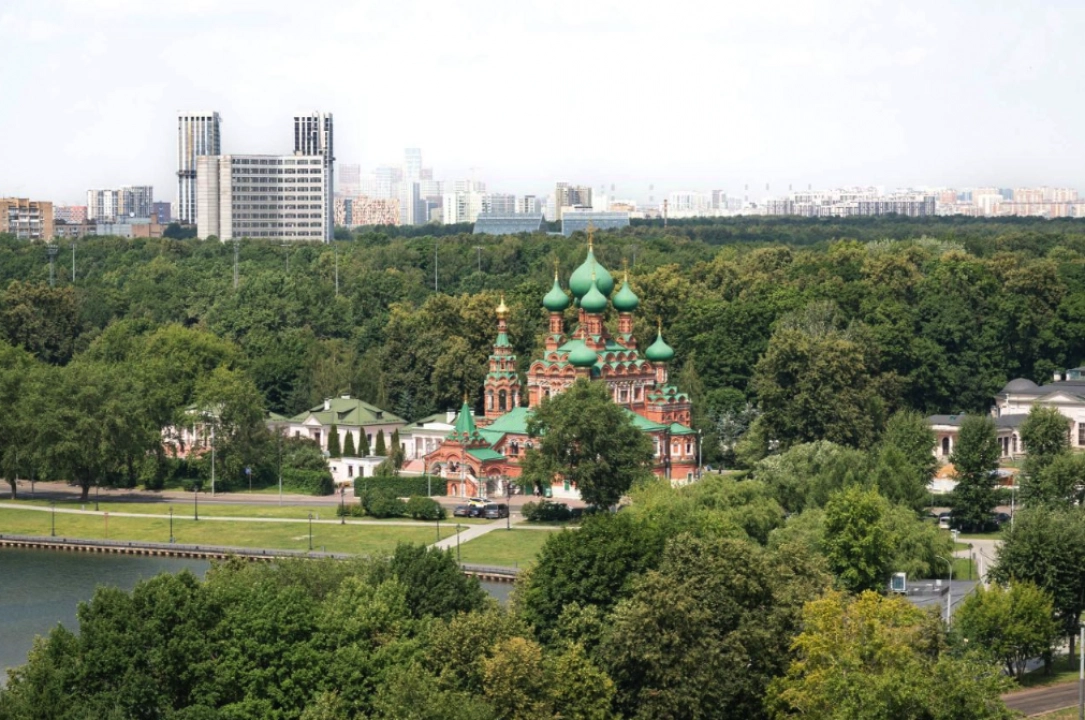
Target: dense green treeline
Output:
[(784, 324)]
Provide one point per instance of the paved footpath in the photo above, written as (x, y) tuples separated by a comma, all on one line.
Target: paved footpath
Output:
[(1039, 701), (474, 531)]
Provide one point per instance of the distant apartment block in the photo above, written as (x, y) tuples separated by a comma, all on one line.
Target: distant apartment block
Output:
[(529, 205), (26, 219), (361, 210), (570, 196), (849, 202), (70, 214), (161, 213), (198, 134), (134, 201), (314, 136), (688, 203), (349, 180)]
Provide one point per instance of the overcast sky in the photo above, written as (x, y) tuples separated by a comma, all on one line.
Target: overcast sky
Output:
[(681, 94)]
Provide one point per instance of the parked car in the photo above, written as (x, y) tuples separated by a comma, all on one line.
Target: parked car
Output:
[(495, 511), (945, 521), (1001, 518), (462, 511), (477, 502)]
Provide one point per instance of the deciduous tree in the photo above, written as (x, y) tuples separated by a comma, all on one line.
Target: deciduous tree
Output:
[(975, 459), (1014, 623)]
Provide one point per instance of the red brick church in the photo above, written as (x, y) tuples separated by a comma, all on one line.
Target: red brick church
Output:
[(478, 458)]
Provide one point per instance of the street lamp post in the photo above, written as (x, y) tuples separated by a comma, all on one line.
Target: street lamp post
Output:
[(457, 542), (53, 527), (195, 501), (699, 456), (949, 587), (342, 505), (310, 532), (508, 504), (96, 486), (212, 461), (171, 524), (279, 434)]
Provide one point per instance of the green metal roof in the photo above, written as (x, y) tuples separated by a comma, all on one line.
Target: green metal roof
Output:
[(348, 411), (680, 429), (643, 423), (485, 454), (514, 421)]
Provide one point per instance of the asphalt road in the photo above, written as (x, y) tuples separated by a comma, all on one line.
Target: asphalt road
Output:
[(1043, 700)]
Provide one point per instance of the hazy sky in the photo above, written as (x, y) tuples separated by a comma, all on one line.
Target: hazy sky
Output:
[(679, 94)]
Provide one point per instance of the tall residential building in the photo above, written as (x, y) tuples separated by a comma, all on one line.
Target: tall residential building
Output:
[(197, 134), (528, 205), (499, 204), (70, 214), (412, 211), (314, 136), (385, 180), (103, 205), (26, 219), (412, 164), (136, 201), (160, 213), (566, 195), (264, 196)]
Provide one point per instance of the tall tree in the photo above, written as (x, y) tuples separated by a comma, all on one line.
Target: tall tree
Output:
[(43, 320), (380, 450), (1015, 623), (908, 432), (333, 442), (587, 439), (16, 428), (975, 459), (1046, 436), (859, 543), (875, 657), (363, 444), (1046, 546), (348, 447)]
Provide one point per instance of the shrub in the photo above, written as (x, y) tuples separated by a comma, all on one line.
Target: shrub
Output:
[(546, 511), (383, 504), (401, 486), (308, 482), (424, 508)]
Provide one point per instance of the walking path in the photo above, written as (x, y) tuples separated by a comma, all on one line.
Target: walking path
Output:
[(475, 531), (1039, 701), (984, 551)]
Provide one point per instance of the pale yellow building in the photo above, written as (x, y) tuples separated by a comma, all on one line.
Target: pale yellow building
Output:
[(26, 219)]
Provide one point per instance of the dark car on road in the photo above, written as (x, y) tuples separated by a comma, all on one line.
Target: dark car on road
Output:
[(463, 511), (495, 511)]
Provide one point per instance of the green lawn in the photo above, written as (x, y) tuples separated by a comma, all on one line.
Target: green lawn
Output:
[(333, 537), (1064, 714), (509, 548), (1062, 671)]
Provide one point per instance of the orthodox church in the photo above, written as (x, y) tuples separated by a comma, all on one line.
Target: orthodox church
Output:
[(479, 457)]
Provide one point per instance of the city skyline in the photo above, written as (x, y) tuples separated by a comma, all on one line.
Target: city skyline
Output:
[(700, 96)]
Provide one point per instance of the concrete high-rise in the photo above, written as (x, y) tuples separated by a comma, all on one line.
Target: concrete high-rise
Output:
[(197, 134), (412, 164), (314, 136), (26, 219)]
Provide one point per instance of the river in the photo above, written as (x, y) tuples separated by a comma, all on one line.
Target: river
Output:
[(40, 588)]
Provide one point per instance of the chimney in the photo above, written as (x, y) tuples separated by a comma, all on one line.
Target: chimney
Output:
[(327, 403), (450, 417), (1058, 376)]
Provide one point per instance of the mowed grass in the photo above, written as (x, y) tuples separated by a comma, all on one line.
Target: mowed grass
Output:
[(1062, 671), (505, 548), (327, 536), (211, 508)]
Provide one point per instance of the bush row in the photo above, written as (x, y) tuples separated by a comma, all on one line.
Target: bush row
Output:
[(382, 504), (401, 486)]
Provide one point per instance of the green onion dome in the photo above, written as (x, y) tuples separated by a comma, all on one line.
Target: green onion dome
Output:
[(594, 302), (556, 300), (626, 300), (659, 351), (580, 280), (582, 356)]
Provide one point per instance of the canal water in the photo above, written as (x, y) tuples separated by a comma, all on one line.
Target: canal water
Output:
[(40, 588)]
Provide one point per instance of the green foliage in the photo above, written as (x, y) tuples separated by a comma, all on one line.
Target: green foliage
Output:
[(363, 444), (903, 463), (1046, 435), (348, 446), (380, 502), (380, 450), (402, 486), (589, 566), (424, 508), (706, 629), (584, 437), (1050, 475), (307, 482), (875, 657), (1046, 546), (806, 475), (433, 582), (975, 458), (545, 511), (819, 381), (334, 450), (859, 544), (43, 320), (1060, 482), (1014, 624)]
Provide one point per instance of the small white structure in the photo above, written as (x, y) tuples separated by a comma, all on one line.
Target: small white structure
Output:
[(348, 415), (346, 469)]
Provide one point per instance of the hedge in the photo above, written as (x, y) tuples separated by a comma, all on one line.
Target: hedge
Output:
[(400, 486), (308, 482)]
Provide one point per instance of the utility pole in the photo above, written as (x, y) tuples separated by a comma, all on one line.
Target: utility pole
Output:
[(237, 245), (52, 250), (435, 246), (73, 262), (336, 250)]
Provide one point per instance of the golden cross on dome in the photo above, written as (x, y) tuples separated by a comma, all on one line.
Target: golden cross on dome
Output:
[(556, 263), (502, 308), (590, 229), (625, 267)]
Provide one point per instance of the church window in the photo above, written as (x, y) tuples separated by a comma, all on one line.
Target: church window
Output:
[(350, 471), (945, 445), (502, 401), (1081, 433)]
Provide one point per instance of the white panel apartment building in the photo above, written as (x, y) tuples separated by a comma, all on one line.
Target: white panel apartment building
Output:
[(263, 196)]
